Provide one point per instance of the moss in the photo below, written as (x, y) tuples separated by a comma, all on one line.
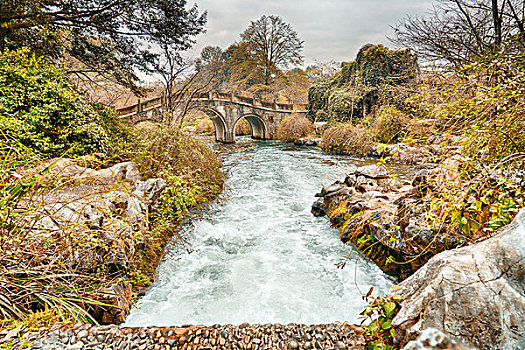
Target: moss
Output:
[(363, 84)]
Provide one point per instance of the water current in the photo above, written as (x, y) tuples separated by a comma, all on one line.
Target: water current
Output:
[(258, 255)]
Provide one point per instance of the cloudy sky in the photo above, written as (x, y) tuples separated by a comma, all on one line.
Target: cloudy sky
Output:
[(331, 29)]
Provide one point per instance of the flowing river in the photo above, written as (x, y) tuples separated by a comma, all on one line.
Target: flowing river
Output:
[(258, 255)]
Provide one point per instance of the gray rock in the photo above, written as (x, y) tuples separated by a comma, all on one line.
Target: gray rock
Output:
[(82, 334), (128, 171), (340, 345), (372, 171), (150, 189), (337, 186), (136, 210), (434, 339), (293, 345), (310, 141), (476, 294)]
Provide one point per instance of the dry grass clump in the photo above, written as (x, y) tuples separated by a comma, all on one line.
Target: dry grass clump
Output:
[(348, 139), (38, 271), (295, 127)]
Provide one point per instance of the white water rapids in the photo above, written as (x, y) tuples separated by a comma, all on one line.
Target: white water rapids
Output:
[(259, 255)]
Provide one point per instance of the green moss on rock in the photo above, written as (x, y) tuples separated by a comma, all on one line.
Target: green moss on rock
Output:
[(362, 85)]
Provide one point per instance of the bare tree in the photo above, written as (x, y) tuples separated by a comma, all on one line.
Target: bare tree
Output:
[(110, 37), (459, 31), (273, 44)]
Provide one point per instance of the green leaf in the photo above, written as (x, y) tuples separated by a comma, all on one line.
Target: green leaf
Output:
[(389, 308), (387, 324)]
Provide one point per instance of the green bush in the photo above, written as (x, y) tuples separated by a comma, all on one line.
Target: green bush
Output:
[(390, 125), (40, 109)]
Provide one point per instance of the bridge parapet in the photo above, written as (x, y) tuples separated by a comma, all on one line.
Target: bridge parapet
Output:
[(225, 109)]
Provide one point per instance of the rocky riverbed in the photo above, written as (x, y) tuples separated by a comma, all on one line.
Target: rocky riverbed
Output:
[(243, 336), (474, 294), (386, 219)]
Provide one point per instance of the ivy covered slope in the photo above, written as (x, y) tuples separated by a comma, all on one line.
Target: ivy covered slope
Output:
[(40, 109), (372, 79)]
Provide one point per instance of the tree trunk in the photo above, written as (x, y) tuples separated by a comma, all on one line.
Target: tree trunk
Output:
[(496, 17)]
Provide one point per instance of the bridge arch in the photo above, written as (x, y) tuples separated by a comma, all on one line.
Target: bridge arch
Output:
[(219, 123), (259, 128)]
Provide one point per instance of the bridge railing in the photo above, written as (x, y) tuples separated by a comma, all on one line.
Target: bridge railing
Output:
[(141, 106)]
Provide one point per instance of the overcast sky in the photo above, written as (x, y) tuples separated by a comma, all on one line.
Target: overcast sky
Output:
[(331, 29)]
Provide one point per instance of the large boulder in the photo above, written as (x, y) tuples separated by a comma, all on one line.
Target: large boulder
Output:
[(434, 339), (475, 294), (78, 170)]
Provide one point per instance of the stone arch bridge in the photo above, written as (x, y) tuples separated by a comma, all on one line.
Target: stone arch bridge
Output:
[(225, 110)]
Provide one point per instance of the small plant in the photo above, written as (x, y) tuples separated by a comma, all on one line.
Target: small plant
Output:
[(379, 314), (486, 206)]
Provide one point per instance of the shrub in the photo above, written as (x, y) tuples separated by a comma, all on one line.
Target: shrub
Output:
[(389, 125), (380, 312), (483, 105), (294, 128), (348, 139), (192, 172), (40, 109)]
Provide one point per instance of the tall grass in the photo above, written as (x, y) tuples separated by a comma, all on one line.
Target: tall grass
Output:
[(295, 127), (34, 274), (348, 139)]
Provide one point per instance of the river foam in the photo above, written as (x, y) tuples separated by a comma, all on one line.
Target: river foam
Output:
[(259, 255)]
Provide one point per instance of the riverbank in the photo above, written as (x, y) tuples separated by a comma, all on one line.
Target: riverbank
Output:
[(91, 236), (447, 270)]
